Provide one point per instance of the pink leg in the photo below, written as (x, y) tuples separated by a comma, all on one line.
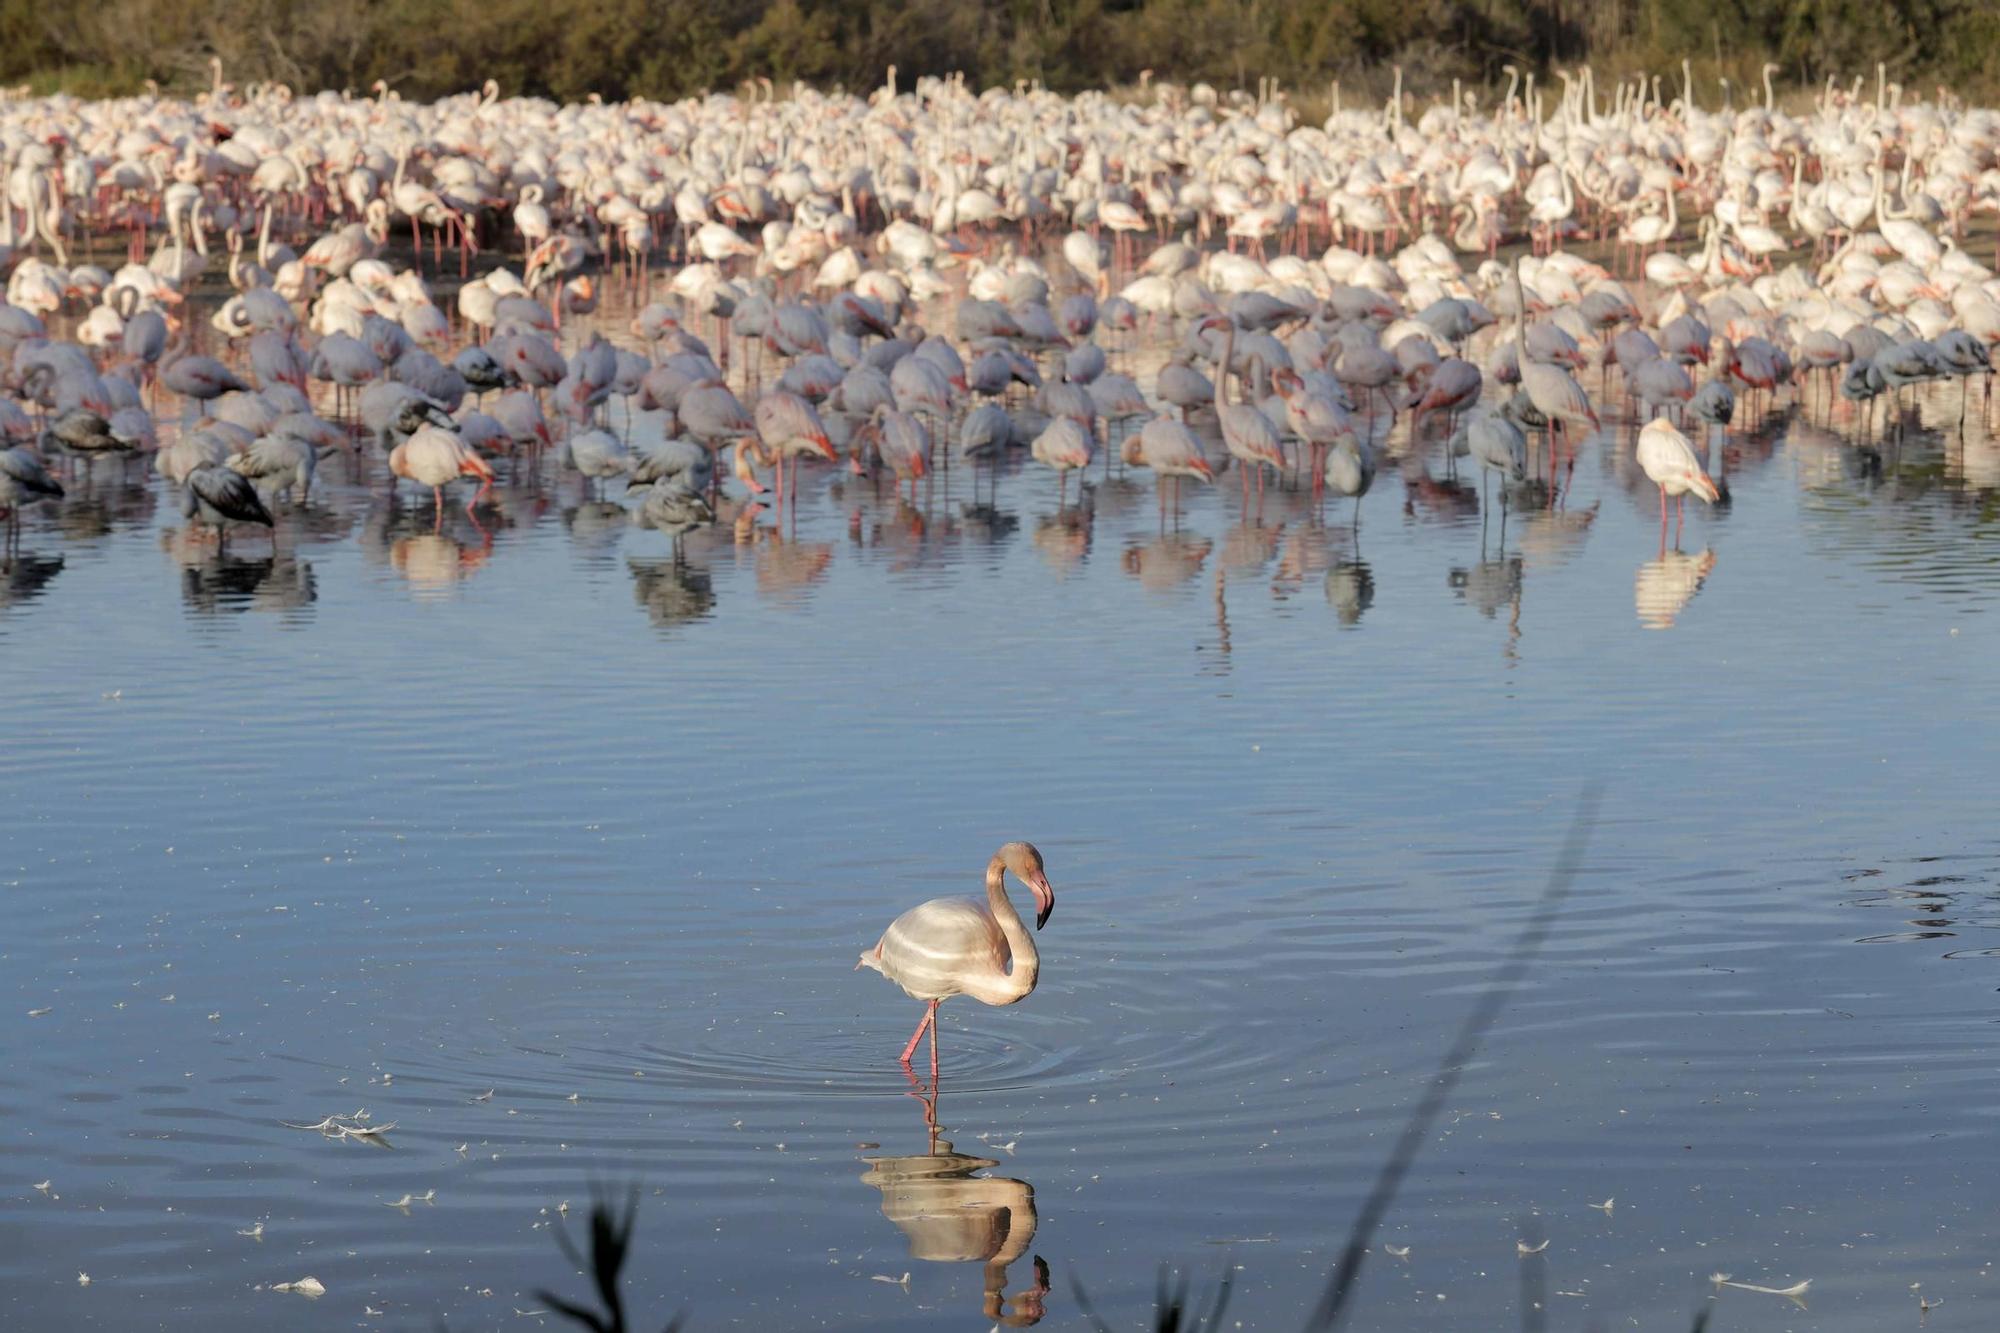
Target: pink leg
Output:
[(930, 1017)]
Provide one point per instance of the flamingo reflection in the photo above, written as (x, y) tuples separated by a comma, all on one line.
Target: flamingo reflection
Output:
[(1666, 585), (432, 561), (951, 1215), (1166, 562)]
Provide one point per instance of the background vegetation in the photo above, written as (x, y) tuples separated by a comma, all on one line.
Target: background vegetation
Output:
[(666, 48)]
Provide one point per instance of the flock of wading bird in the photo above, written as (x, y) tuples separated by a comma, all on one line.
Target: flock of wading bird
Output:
[(1308, 287)]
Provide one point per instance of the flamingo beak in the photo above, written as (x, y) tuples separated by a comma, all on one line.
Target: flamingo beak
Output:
[(1045, 899)]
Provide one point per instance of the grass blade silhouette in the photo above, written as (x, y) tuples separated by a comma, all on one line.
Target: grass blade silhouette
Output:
[(610, 1245), (1335, 1304)]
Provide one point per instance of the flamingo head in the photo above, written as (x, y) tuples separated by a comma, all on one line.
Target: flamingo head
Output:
[(1026, 863)]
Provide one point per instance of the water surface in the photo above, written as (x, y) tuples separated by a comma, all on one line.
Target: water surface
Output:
[(557, 855)]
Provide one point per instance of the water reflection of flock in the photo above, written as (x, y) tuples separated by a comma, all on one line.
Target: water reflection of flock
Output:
[(1524, 526)]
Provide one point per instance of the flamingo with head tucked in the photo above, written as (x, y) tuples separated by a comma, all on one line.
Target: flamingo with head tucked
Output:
[(435, 458), (1669, 461)]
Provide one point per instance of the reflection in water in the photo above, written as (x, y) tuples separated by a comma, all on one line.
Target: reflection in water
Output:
[(434, 561), (952, 1216), (595, 527), (23, 577), (1490, 585), (1062, 539), (214, 580), (1667, 584), (1168, 561), (1553, 537), (1248, 547), (671, 592), (981, 525), (786, 569), (1350, 590)]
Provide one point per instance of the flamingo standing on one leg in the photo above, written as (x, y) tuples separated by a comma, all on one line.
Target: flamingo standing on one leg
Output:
[(960, 946)]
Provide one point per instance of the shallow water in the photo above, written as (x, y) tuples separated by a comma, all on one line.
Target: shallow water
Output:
[(398, 819)]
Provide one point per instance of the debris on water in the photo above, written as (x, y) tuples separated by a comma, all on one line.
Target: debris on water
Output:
[(371, 1310), (346, 1127), (41, 1013), (1522, 1248), (82, 1279), (528, 1314), (44, 1186), (463, 1149), (1795, 1292), (428, 1196), (305, 1286), (1606, 1206), (1395, 1251), (903, 1281), (254, 1233), (576, 1097), (485, 1096)]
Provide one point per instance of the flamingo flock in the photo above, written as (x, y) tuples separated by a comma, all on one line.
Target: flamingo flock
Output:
[(926, 278)]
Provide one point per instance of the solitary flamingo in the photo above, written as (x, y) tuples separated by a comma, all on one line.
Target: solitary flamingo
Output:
[(960, 946)]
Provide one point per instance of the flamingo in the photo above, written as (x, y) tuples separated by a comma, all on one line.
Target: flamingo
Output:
[(1065, 446), (789, 426), (435, 457), (1247, 433), (23, 481), (1554, 393), (219, 496), (202, 378), (1170, 450), (957, 946), (1669, 461), (675, 509)]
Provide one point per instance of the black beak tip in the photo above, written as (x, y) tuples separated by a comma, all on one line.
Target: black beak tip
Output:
[(1042, 917)]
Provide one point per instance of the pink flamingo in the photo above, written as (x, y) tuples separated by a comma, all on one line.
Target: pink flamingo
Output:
[(435, 457), (959, 946)]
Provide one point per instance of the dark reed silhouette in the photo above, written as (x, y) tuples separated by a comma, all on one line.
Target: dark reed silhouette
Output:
[(610, 1245)]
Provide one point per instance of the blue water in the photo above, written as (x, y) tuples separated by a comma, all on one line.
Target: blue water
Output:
[(398, 818)]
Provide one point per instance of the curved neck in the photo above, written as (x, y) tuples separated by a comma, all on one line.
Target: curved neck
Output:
[(1020, 940)]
